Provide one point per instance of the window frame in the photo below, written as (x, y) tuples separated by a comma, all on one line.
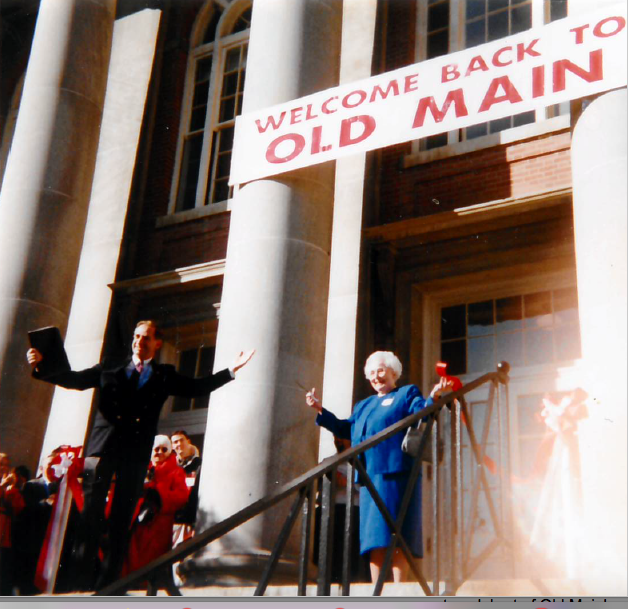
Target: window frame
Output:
[(198, 50), (456, 142)]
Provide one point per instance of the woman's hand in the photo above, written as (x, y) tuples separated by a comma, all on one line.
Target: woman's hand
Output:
[(34, 357), (312, 401), (445, 385)]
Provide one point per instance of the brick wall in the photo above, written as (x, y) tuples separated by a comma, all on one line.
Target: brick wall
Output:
[(511, 170)]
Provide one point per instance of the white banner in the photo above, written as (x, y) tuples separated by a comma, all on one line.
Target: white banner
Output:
[(564, 60)]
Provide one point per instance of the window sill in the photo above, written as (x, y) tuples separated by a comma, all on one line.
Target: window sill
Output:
[(508, 136), (194, 214)]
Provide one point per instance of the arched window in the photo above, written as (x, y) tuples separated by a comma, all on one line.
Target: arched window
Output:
[(213, 99)]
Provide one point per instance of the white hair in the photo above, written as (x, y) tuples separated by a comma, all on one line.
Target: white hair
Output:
[(163, 441), (388, 358)]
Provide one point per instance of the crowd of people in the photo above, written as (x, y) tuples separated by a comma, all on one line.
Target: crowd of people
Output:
[(138, 490), (166, 509)]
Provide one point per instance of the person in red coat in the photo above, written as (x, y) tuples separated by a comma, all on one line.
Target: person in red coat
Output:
[(165, 492)]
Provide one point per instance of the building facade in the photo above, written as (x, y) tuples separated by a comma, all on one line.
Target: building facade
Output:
[(467, 247)]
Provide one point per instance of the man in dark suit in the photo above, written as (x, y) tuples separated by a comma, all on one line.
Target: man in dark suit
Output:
[(130, 399)]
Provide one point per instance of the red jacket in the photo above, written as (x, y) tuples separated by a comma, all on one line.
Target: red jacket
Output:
[(150, 540), (11, 504)]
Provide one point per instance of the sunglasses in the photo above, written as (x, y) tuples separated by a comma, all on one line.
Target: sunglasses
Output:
[(160, 449)]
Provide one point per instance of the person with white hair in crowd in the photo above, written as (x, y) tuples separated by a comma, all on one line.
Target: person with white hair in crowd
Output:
[(165, 492), (387, 466)]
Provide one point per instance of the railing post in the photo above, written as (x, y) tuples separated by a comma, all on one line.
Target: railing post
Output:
[(435, 511), (348, 531), (457, 541), (307, 529), (450, 505), (326, 544)]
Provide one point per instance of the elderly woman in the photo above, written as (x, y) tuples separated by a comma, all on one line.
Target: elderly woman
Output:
[(165, 492), (387, 466)]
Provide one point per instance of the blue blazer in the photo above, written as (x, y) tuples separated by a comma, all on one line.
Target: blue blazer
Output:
[(372, 415)]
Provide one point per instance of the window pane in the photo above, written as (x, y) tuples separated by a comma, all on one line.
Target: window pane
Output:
[(567, 339), (197, 120), (224, 165), (480, 318), (481, 354), (243, 22), (521, 19), (187, 367), (495, 5), (476, 131), (508, 314), (498, 25), (201, 91), (435, 141), (226, 139), (524, 118), (205, 366), (454, 354), (210, 32), (438, 16), (233, 60), (230, 84), (558, 9), (186, 198), (475, 8), (204, 69), (500, 124), (475, 34), (227, 109), (537, 310), (438, 44), (452, 323), (221, 190), (509, 347), (566, 306), (206, 363), (538, 347)]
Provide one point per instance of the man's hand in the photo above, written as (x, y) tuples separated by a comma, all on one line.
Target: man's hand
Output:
[(34, 357), (242, 359), (312, 401)]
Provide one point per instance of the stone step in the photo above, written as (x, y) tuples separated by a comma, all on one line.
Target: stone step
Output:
[(555, 588), (472, 589)]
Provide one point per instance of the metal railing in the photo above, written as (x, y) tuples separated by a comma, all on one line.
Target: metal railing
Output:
[(321, 481)]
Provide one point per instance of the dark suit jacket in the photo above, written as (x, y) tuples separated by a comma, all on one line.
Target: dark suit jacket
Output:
[(127, 417)]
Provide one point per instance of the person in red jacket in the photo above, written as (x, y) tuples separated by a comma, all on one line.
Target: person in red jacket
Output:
[(165, 492), (11, 504)]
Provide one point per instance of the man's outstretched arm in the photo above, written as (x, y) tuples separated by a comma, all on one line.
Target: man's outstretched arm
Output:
[(84, 379)]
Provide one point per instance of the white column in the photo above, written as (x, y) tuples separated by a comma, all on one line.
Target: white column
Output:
[(600, 204), (358, 32), (132, 54), (260, 434), (44, 200)]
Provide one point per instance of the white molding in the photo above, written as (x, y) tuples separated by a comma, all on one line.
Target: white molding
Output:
[(194, 214), (213, 270), (463, 215)]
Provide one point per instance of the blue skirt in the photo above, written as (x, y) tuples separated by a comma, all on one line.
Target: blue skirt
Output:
[(374, 532)]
